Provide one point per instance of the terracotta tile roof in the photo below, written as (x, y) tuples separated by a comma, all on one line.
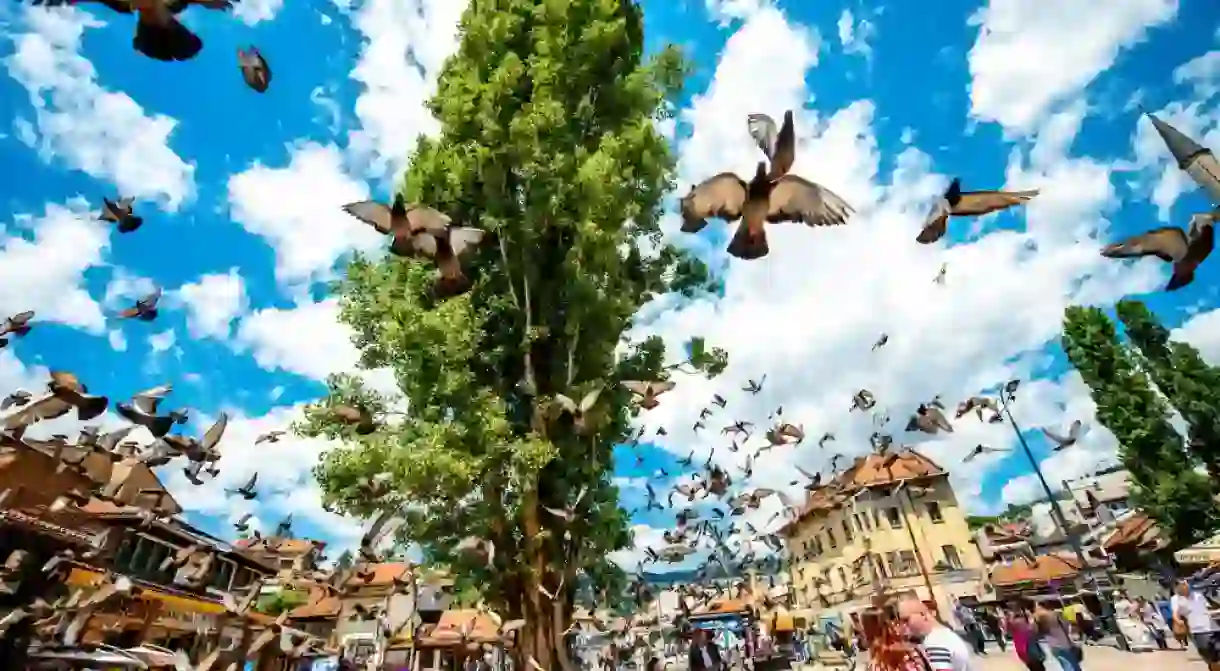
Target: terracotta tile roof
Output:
[(1135, 532), (1045, 568), (872, 470), (383, 574), (321, 606), (96, 464), (446, 632)]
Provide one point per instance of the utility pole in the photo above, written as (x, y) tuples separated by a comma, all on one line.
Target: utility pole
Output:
[(1057, 511)]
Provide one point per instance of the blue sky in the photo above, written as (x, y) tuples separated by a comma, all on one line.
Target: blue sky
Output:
[(241, 195)]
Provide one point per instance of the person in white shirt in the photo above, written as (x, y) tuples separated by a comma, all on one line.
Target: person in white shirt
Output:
[(1191, 607), (944, 649)]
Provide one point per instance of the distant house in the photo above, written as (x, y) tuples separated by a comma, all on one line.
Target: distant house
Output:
[(888, 525)]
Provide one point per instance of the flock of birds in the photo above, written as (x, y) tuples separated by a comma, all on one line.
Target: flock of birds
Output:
[(710, 501), (107, 462), (771, 195)]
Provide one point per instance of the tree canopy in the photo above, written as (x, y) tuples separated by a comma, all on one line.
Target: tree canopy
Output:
[(1164, 481), (549, 144), (1190, 384)]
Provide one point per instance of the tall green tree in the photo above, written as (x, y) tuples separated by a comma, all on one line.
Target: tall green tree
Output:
[(1164, 481), (549, 143), (1190, 384)]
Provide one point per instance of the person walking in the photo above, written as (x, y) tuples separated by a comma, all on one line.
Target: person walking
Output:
[(993, 626), (1025, 640), (1053, 630), (704, 654), (941, 647), (1190, 613), (1130, 622), (970, 626)]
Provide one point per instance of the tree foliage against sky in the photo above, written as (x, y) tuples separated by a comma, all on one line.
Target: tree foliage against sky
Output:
[(1163, 477), (1192, 386), (548, 143)]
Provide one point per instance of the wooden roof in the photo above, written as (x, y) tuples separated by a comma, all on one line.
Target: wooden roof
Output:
[(724, 607), (1135, 532), (1044, 569), (97, 465)]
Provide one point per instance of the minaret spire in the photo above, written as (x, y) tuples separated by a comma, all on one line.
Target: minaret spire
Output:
[(1182, 147)]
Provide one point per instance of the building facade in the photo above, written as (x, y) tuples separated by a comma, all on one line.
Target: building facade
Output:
[(888, 525)]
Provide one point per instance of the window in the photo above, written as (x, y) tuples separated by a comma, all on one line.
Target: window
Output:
[(895, 517), (906, 562), (868, 523), (817, 545), (846, 531), (830, 538), (126, 552), (879, 566), (951, 556), (877, 517), (934, 511), (891, 561), (843, 578)]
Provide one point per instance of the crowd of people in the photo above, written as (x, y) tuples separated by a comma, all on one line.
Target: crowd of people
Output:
[(911, 636)]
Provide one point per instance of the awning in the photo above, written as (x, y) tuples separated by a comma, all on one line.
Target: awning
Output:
[(1206, 552), (783, 622), (80, 577)]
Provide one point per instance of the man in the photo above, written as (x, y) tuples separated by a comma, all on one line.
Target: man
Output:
[(970, 625), (945, 650), (1189, 610), (704, 654)]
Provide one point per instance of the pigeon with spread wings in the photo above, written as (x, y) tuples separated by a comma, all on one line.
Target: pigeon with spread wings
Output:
[(958, 203), (121, 213), (254, 69), (777, 142), (1072, 437), (1184, 249), (761, 200), (145, 309), (648, 391)]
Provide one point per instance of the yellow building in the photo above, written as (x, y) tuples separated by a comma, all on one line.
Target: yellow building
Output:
[(888, 525)]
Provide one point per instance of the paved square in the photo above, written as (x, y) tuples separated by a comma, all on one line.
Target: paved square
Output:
[(1102, 658)]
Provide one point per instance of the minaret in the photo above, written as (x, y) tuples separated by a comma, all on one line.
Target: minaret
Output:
[(1198, 162)]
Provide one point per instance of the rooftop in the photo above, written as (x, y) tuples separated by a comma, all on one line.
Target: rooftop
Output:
[(867, 472)]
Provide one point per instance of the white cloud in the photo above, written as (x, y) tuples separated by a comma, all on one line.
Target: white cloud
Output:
[(822, 297), (213, 302), (405, 44), (1202, 72), (854, 35), (43, 262), (297, 209), (285, 479), (251, 12), (727, 11), (308, 340), (102, 133), (117, 341), (1203, 332), (1030, 57), (162, 341)]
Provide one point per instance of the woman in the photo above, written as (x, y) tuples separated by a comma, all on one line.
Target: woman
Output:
[(890, 647), (1053, 631), (1131, 624), (1025, 639)]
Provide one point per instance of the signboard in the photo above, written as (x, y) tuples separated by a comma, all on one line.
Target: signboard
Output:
[(731, 623)]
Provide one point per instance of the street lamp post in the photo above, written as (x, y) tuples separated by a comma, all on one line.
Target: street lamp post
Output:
[(1057, 510)]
